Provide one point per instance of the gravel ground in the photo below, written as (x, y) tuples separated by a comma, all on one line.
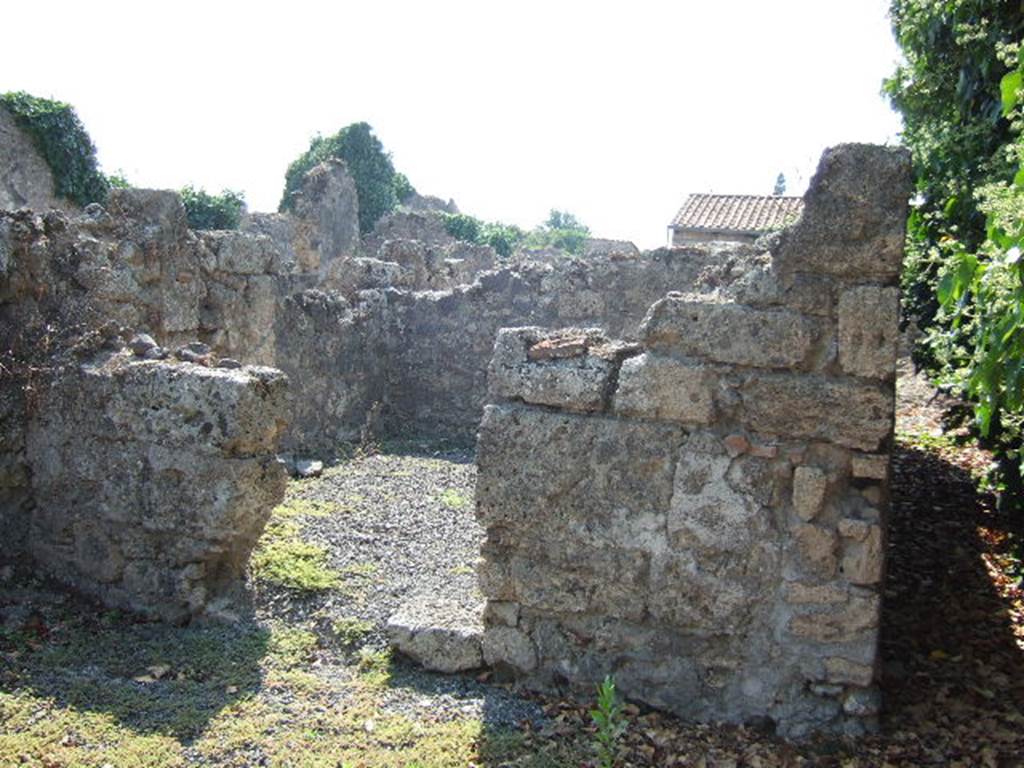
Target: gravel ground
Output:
[(403, 524)]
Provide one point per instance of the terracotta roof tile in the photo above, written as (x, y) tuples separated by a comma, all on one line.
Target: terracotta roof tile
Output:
[(737, 213)]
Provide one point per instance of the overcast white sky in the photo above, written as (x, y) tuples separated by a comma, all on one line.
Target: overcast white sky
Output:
[(611, 110)]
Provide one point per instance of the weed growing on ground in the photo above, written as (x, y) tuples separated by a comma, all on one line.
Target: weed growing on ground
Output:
[(282, 558), (350, 630), (453, 499), (374, 665), (610, 720)]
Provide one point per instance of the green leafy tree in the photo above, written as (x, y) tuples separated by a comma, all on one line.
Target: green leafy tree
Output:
[(503, 238), (378, 186), (948, 92), (63, 142), (403, 188), (561, 230), (564, 220), (957, 92), (206, 211)]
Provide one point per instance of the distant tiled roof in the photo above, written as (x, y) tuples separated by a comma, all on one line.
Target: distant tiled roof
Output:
[(737, 213)]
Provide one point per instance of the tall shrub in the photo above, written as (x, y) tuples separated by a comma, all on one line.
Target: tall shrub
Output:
[(378, 185), (957, 92)]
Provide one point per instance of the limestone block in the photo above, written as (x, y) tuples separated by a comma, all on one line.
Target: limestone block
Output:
[(328, 204), (240, 253), (840, 670), (817, 547), (730, 333), (505, 645), (709, 597), (873, 467), (850, 414), (855, 213), (438, 633), (863, 555), (656, 387), (868, 331), (571, 369), (798, 593), (178, 400), (504, 613), (809, 486), (556, 574), (841, 625), (535, 467), (709, 515)]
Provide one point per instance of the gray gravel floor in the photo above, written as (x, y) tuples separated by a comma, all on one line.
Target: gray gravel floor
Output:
[(404, 524)]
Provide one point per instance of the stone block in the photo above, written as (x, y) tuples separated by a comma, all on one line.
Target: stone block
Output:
[(844, 671), (536, 466), (438, 633), (863, 555), (798, 593), (868, 331), (809, 486), (817, 547), (509, 646), (572, 369), (654, 387), (709, 515), (730, 333), (503, 613), (847, 624), (871, 467), (855, 214), (819, 408)]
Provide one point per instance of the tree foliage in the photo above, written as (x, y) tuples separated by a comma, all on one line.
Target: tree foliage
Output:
[(379, 187), (64, 143), (957, 92), (503, 238), (561, 230), (206, 211)]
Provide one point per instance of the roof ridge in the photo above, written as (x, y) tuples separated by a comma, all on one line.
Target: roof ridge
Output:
[(747, 213)]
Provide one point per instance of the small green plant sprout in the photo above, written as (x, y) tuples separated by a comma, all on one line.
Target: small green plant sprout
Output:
[(610, 721), (452, 499)]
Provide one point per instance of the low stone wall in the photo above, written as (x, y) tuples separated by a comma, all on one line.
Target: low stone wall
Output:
[(153, 480), (702, 514)]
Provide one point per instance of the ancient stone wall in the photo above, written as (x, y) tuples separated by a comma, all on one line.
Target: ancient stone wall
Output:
[(152, 480), (25, 178), (702, 514), (438, 344)]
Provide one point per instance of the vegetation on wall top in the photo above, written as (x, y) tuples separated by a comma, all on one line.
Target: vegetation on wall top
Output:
[(561, 230), (206, 211), (64, 143), (379, 187)]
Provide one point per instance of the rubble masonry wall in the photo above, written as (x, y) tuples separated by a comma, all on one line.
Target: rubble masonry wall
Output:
[(702, 514)]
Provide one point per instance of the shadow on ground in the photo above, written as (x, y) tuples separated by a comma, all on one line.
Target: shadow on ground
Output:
[(152, 678), (953, 651)]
